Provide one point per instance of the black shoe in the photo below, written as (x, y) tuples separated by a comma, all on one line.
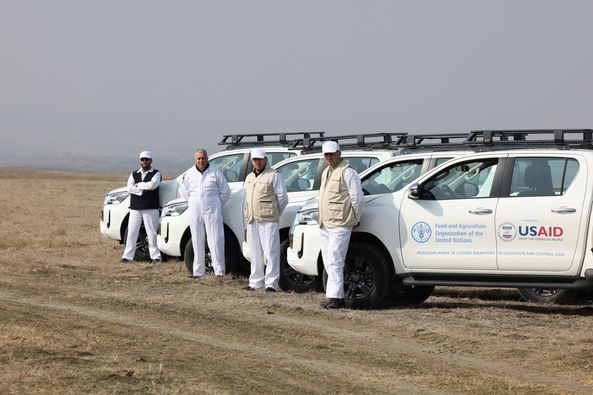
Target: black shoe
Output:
[(156, 261), (334, 304), (270, 289), (248, 289), (194, 277), (124, 260)]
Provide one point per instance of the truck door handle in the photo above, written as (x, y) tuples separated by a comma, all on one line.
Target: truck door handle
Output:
[(564, 210), (480, 211)]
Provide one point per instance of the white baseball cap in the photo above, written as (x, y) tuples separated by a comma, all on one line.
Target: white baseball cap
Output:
[(258, 153), (329, 147), (145, 154)]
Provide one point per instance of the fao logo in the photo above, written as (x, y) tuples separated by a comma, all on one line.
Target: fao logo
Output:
[(507, 231), (421, 232)]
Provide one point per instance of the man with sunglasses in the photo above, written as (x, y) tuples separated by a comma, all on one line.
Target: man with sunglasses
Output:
[(143, 185)]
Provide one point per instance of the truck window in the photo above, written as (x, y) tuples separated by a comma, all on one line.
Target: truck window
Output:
[(299, 175), (468, 180), (276, 157), (542, 176), (440, 161), (361, 163), (230, 165), (392, 177)]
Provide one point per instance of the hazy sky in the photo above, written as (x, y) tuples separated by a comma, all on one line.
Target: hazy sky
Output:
[(108, 78)]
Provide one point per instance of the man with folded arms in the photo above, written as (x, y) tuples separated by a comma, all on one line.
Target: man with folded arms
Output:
[(143, 185)]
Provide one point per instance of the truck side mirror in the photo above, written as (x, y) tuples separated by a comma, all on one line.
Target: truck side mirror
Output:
[(414, 191)]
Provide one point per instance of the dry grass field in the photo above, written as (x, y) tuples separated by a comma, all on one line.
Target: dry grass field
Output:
[(75, 320)]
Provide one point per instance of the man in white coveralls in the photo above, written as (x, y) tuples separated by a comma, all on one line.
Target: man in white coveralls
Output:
[(265, 200), (206, 190), (143, 185), (340, 208)]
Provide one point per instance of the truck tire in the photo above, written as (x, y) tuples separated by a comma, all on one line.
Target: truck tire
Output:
[(142, 253), (232, 256), (366, 276), (413, 295), (290, 279), (545, 295)]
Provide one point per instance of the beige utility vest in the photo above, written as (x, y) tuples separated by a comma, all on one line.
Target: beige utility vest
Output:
[(261, 202), (335, 205)]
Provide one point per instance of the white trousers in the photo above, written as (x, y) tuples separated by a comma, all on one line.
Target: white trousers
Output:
[(151, 222), (202, 224), (334, 246), (264, 246)]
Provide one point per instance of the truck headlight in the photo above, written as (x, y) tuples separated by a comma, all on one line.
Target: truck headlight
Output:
[(174, 210), (308, 217), (115, 197)]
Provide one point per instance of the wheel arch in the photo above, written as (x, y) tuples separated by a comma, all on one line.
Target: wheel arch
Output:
[(123, 228), (373, 240), (184, 239), (284, 234)]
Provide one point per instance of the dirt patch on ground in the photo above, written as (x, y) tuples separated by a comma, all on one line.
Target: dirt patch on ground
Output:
[(74, 320)]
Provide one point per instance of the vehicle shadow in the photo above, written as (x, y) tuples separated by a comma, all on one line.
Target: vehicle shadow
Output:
[(507, 299)]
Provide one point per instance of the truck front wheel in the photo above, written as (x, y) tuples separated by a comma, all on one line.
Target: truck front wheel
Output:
[(290, 279), (142, 252), (232, 256), (366, 276)]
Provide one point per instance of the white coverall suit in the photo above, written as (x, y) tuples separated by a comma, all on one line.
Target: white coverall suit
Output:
[(206, 193), (264, 244), (137, 217), (334, 241)]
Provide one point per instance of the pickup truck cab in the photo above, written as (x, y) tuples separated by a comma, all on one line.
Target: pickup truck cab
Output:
[(233, 161), (515, 215), (303, 260)]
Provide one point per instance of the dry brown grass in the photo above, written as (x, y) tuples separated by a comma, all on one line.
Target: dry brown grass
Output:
[(74, 320)]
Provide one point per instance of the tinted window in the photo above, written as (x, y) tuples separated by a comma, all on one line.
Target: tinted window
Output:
[(463, 181), (392, 177), (542, 176), (440, 161), (361, 163), (230, 165), (276, 157), (299, 175)]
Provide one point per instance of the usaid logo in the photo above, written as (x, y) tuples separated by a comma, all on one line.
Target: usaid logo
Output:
[(421, 232), (507, 231)]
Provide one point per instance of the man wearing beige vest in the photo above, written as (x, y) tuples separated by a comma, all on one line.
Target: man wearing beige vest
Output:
[(265, 200), (340, 207)]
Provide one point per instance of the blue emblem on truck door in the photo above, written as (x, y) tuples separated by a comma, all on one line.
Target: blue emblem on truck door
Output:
[(421, 232)]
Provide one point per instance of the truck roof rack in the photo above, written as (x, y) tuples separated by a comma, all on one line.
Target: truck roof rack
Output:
[(483, 140), (363, 141), (284, 139), (576, 138), (435, 140)]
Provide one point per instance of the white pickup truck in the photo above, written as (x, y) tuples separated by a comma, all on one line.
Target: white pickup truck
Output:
[(517, 214), (234, 163)]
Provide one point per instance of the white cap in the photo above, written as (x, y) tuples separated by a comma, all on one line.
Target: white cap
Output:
[(145, 154), (329, 147), (258, 153)]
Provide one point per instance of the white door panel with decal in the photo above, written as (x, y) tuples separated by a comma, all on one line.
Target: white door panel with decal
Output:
[(540, 216), (450, 224)]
